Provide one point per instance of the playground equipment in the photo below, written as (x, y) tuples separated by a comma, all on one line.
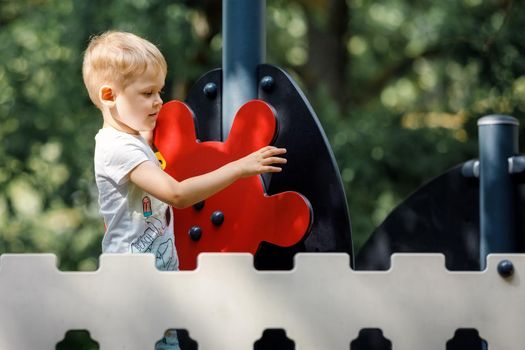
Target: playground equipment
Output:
[(240, 217), (224, 303), (466, 213), (311, 170)]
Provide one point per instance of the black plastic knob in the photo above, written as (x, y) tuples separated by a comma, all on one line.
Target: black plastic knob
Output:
[(267, 83), (195, 233), (210, 90), (505, 268), (198, 206), (217, 218)]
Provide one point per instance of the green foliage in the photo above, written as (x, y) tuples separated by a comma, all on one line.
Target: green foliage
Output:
[(47, 123), (417, 75)]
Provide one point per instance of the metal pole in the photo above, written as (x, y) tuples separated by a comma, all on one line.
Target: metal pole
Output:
[(244, 47), (498, 141)]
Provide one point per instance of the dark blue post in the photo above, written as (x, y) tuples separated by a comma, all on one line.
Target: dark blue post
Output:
[(244, 47), (498, 141)]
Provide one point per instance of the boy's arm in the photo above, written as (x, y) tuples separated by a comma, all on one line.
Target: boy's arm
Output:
[(153, 180)]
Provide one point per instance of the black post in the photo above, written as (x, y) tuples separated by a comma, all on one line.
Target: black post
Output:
[(498, 141), (243, 49)]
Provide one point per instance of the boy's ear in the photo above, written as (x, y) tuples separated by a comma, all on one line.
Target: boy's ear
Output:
[(106, 95)]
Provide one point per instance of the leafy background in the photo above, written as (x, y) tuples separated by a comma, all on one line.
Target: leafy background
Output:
[(397, 84)]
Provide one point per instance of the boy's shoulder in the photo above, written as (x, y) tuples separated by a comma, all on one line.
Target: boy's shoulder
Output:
[(117, 153), (111, 144), (112, 134), (114, 139)]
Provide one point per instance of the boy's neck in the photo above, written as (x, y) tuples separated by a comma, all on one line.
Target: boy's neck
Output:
[(110, 122)]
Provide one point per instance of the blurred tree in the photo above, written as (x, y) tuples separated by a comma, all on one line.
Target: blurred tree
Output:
[(47, 123)]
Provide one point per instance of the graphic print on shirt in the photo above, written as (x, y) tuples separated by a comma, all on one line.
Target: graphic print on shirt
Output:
[(146, 207), (155, 238), (154, 229), (165, 254)]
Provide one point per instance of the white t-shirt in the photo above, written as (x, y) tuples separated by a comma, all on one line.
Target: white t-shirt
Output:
[(136, 222)]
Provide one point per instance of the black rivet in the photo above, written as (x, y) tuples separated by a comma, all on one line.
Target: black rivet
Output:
[(210, 90), (217, 218), (505, 268), (267, 83), (198, 206), (195, 233)]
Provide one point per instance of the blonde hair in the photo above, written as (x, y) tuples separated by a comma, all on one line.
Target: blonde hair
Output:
[(118, 58)]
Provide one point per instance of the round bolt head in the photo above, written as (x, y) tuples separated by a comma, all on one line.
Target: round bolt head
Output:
[(210, 90), (217, 218), (198, 206), (505, 268), (195, 233), (267, 83)]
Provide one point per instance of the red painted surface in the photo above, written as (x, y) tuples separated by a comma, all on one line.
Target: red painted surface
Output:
[(250, 216)]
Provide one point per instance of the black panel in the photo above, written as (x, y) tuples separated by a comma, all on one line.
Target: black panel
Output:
[(207, 106), (440, 217), (519, 182), (311, 171)]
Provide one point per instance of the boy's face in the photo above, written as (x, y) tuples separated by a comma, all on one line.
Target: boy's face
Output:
[(138, 104)]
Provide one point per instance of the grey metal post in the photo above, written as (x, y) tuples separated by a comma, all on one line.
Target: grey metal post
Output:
[(244, 47), (498, 141)]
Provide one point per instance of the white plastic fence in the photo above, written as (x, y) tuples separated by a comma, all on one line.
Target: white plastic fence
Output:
[(226, 304)]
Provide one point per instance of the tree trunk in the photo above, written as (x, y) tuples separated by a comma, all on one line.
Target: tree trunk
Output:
[(328, 25)]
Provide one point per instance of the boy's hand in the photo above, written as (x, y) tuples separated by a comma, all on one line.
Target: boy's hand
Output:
[(261, 161)]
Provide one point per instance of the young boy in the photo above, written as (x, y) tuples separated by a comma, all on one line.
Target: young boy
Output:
[(124, 76)]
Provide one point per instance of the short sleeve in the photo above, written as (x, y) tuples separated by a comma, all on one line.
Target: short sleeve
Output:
[(123, 155)]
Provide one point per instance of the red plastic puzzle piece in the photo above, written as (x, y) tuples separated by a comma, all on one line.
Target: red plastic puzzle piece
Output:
[(241, 216)]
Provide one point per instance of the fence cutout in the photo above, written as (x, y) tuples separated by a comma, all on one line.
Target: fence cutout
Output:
[(77, 340)]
